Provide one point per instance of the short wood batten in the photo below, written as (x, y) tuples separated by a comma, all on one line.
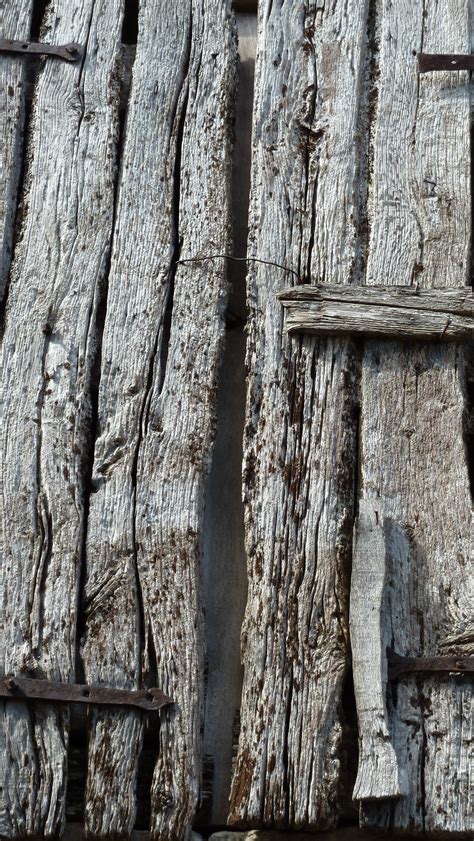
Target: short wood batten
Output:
[(50, 333), (441, 315)]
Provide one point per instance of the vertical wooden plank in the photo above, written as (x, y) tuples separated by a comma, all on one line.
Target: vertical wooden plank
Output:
[(15, 19), (156, 409), (414, 464), (300, 434), (45, 366)]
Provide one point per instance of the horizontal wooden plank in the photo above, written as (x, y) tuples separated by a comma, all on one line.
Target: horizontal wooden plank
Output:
[(395, 313), (458, 301)]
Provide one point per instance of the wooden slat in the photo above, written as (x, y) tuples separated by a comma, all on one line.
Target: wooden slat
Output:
[(413, 459), (300, 434), (45, 368), (156, 410), (15, 19), (458, 301), (343, 318)]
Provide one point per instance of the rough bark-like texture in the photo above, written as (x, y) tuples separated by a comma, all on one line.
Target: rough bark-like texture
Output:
[(45, 366), (15, 20), (299, 446), (414, 467), (156, 409)]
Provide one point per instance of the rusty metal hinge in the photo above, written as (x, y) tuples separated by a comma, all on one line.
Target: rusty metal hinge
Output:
[(398, 665), (68, 52), (428, 63), (25, 689)]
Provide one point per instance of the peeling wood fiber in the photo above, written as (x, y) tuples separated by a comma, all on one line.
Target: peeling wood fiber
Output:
[(156, 410), (48, 344), (300, 430)]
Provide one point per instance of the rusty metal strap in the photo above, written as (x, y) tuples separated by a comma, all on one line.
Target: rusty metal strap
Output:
[(398, 665), (68, 52), (26, 689), (437, 62)]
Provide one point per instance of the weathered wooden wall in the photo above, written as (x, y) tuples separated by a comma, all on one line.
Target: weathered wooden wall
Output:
[(123, 553)]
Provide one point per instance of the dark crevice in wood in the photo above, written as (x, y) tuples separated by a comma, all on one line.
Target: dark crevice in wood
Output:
[(224, 561), (130, 22), (368, 114), (162, 345), (37, 20), (468, 426), (349, 752)]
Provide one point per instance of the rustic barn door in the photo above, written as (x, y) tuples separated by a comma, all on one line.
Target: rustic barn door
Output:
[(361, 175), (115, 204)]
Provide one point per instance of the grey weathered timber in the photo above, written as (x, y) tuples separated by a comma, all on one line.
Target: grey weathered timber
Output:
[(300, 430), (441, 315), (156, 410), (49, 339), (379, 776), (414, 470), (15, 18)]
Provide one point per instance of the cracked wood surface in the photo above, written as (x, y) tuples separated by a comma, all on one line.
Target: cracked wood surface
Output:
[(60, 260), (15, 18), (414, 470), (300, 431), (156, 410)]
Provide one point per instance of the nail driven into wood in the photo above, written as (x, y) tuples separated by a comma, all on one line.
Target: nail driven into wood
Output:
[(67, 52)]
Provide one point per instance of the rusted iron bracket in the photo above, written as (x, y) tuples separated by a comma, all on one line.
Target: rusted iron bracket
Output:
[(398, 665), (26, 689), (437, 62), (68, 52)]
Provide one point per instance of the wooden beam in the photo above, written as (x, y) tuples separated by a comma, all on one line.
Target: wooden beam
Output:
[(381, 312), (48, 346), (161, 352), (301, 424)]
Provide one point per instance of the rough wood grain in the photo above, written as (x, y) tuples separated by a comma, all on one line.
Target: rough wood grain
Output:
[(45, 367), (156, 409), (379, 776), (413, 457), (299, 442), (448, 301), (344, 318), (15, 18)]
